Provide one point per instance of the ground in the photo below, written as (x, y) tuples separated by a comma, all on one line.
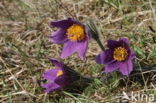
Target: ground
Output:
[(25, 46)]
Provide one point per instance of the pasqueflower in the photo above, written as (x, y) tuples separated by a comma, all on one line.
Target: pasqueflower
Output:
[(118, 56), (73, 34), (57, 78)]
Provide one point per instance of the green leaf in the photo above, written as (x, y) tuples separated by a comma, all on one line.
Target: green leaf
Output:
[(139, 51)]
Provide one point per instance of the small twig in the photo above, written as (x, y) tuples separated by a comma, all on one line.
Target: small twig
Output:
[(151, 28), (45, 96), (65, 8), (153, 10), (129, 15), (12, 74), (13, 77), (8, 12), (141, 23), (18, 93), (154, 31), (21, 71), (145, 83)]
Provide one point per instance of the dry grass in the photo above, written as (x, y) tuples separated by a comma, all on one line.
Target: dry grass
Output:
[(25, 46)]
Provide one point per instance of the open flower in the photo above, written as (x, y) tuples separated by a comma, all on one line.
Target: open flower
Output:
[(73, 35), (118, 56), (57, 78)]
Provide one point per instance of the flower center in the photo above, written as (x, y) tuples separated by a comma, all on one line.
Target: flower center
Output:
[(59, 73), (120, 54), (76, 32)]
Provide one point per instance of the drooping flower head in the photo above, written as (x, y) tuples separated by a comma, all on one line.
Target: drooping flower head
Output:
[(118, 56), (73, 35), (57, 77)]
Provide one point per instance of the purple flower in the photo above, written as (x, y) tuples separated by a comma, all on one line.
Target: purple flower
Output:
[(57, 78), (118, 56), (73, 35)]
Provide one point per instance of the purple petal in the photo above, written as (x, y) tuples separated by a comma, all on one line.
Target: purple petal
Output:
[(50, 74), (112, 44), (112, 66), (132, 54), (57, 63), (126, 67), (124, 40), (51, 87), (63, 23), (68, 49), (105, 57), (62, 80), (71, 46), (82, 48), (59, 36)]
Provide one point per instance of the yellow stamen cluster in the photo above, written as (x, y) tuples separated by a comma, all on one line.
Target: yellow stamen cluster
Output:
[(76, 32), (120, 54), (59, 73)]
